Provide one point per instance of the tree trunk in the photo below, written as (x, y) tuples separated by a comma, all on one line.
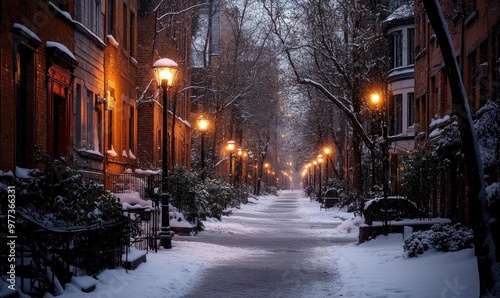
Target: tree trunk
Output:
[(483, 240)]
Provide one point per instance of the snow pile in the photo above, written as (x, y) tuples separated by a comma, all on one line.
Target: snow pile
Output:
[(377, 268), (350, 226)]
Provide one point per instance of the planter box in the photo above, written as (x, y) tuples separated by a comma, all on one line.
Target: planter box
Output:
[(367, 232)]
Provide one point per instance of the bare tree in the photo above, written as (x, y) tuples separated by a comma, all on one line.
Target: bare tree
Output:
[(336, 48)]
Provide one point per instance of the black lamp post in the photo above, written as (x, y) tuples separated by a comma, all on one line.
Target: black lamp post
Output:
[(202, 126), (377, 101), (320, 161), (165, 72)]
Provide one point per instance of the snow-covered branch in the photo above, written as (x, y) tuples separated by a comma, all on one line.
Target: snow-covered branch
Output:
[(174, 13)]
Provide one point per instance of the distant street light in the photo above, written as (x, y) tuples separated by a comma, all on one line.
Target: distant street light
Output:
[(327, 152), (203, 127), (230, 147), (320, 161), (165, 71)]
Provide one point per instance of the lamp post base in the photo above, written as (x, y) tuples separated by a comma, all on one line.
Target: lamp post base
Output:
[(165, 236)]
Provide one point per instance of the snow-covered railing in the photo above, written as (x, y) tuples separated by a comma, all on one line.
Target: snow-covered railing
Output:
[(147, 185)]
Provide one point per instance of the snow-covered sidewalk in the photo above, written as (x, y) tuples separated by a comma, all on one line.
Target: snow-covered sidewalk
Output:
[(373, 269)]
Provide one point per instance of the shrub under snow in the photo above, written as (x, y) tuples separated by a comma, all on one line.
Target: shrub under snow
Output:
[(441, 237)]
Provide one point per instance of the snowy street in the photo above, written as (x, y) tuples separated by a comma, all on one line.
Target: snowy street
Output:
[(287, 262), (286, 247)]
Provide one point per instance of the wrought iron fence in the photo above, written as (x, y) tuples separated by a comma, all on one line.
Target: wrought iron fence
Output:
[(148, 186), (144, 223), (47, 257)]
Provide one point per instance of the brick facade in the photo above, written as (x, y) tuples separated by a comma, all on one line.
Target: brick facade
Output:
[(79, 96), (34, 75), (475, 34)]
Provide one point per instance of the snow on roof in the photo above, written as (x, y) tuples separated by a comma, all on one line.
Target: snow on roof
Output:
[(60, 46), (403, 12), (27, 31)]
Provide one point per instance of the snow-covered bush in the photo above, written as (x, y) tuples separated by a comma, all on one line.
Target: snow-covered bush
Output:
[(441, 237), (58, 197)]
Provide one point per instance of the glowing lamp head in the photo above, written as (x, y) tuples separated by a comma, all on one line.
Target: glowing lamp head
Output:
[(165, 72), (202, 124), (327, 150), (320, 158), (375, 99), (231, 145)]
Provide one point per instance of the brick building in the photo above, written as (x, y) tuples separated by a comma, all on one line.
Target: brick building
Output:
[(475, 31), (71, 80), (36, 78), (164, 33)]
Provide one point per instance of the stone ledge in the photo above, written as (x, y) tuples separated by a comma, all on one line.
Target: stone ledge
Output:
[(367, 232)]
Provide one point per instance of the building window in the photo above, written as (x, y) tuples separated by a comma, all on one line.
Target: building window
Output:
[(131, 128), (88, 13), (483, 71), (110, 130), (88, 122), (132, 34), (24, 80), (110, 100), (397, 49), (496, 63), (411, 109), (410, 46), (111, 17), (125, 28), (396, 113), (472, 73)]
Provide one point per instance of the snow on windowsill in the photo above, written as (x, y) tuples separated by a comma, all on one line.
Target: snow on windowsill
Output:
[(60, 46), (64, 13), (112, 152), (27, 31), (112, 40)]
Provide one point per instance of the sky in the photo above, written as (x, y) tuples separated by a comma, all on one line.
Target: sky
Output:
[(377, 265)]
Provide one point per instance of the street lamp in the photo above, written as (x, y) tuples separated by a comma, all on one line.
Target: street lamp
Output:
[(266, 165), (202, 126), (320, 161), (315, 163), (165, 71), (327, 152), (377, 102), (230, 147)]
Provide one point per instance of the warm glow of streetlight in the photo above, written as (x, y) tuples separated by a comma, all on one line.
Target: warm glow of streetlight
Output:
[(327, 150), (231, 145), (202, 124), (266, 165), (320, 158), (375, 98), (165, 72)]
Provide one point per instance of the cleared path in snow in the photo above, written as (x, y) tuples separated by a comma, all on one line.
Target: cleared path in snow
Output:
[(287, 268)]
